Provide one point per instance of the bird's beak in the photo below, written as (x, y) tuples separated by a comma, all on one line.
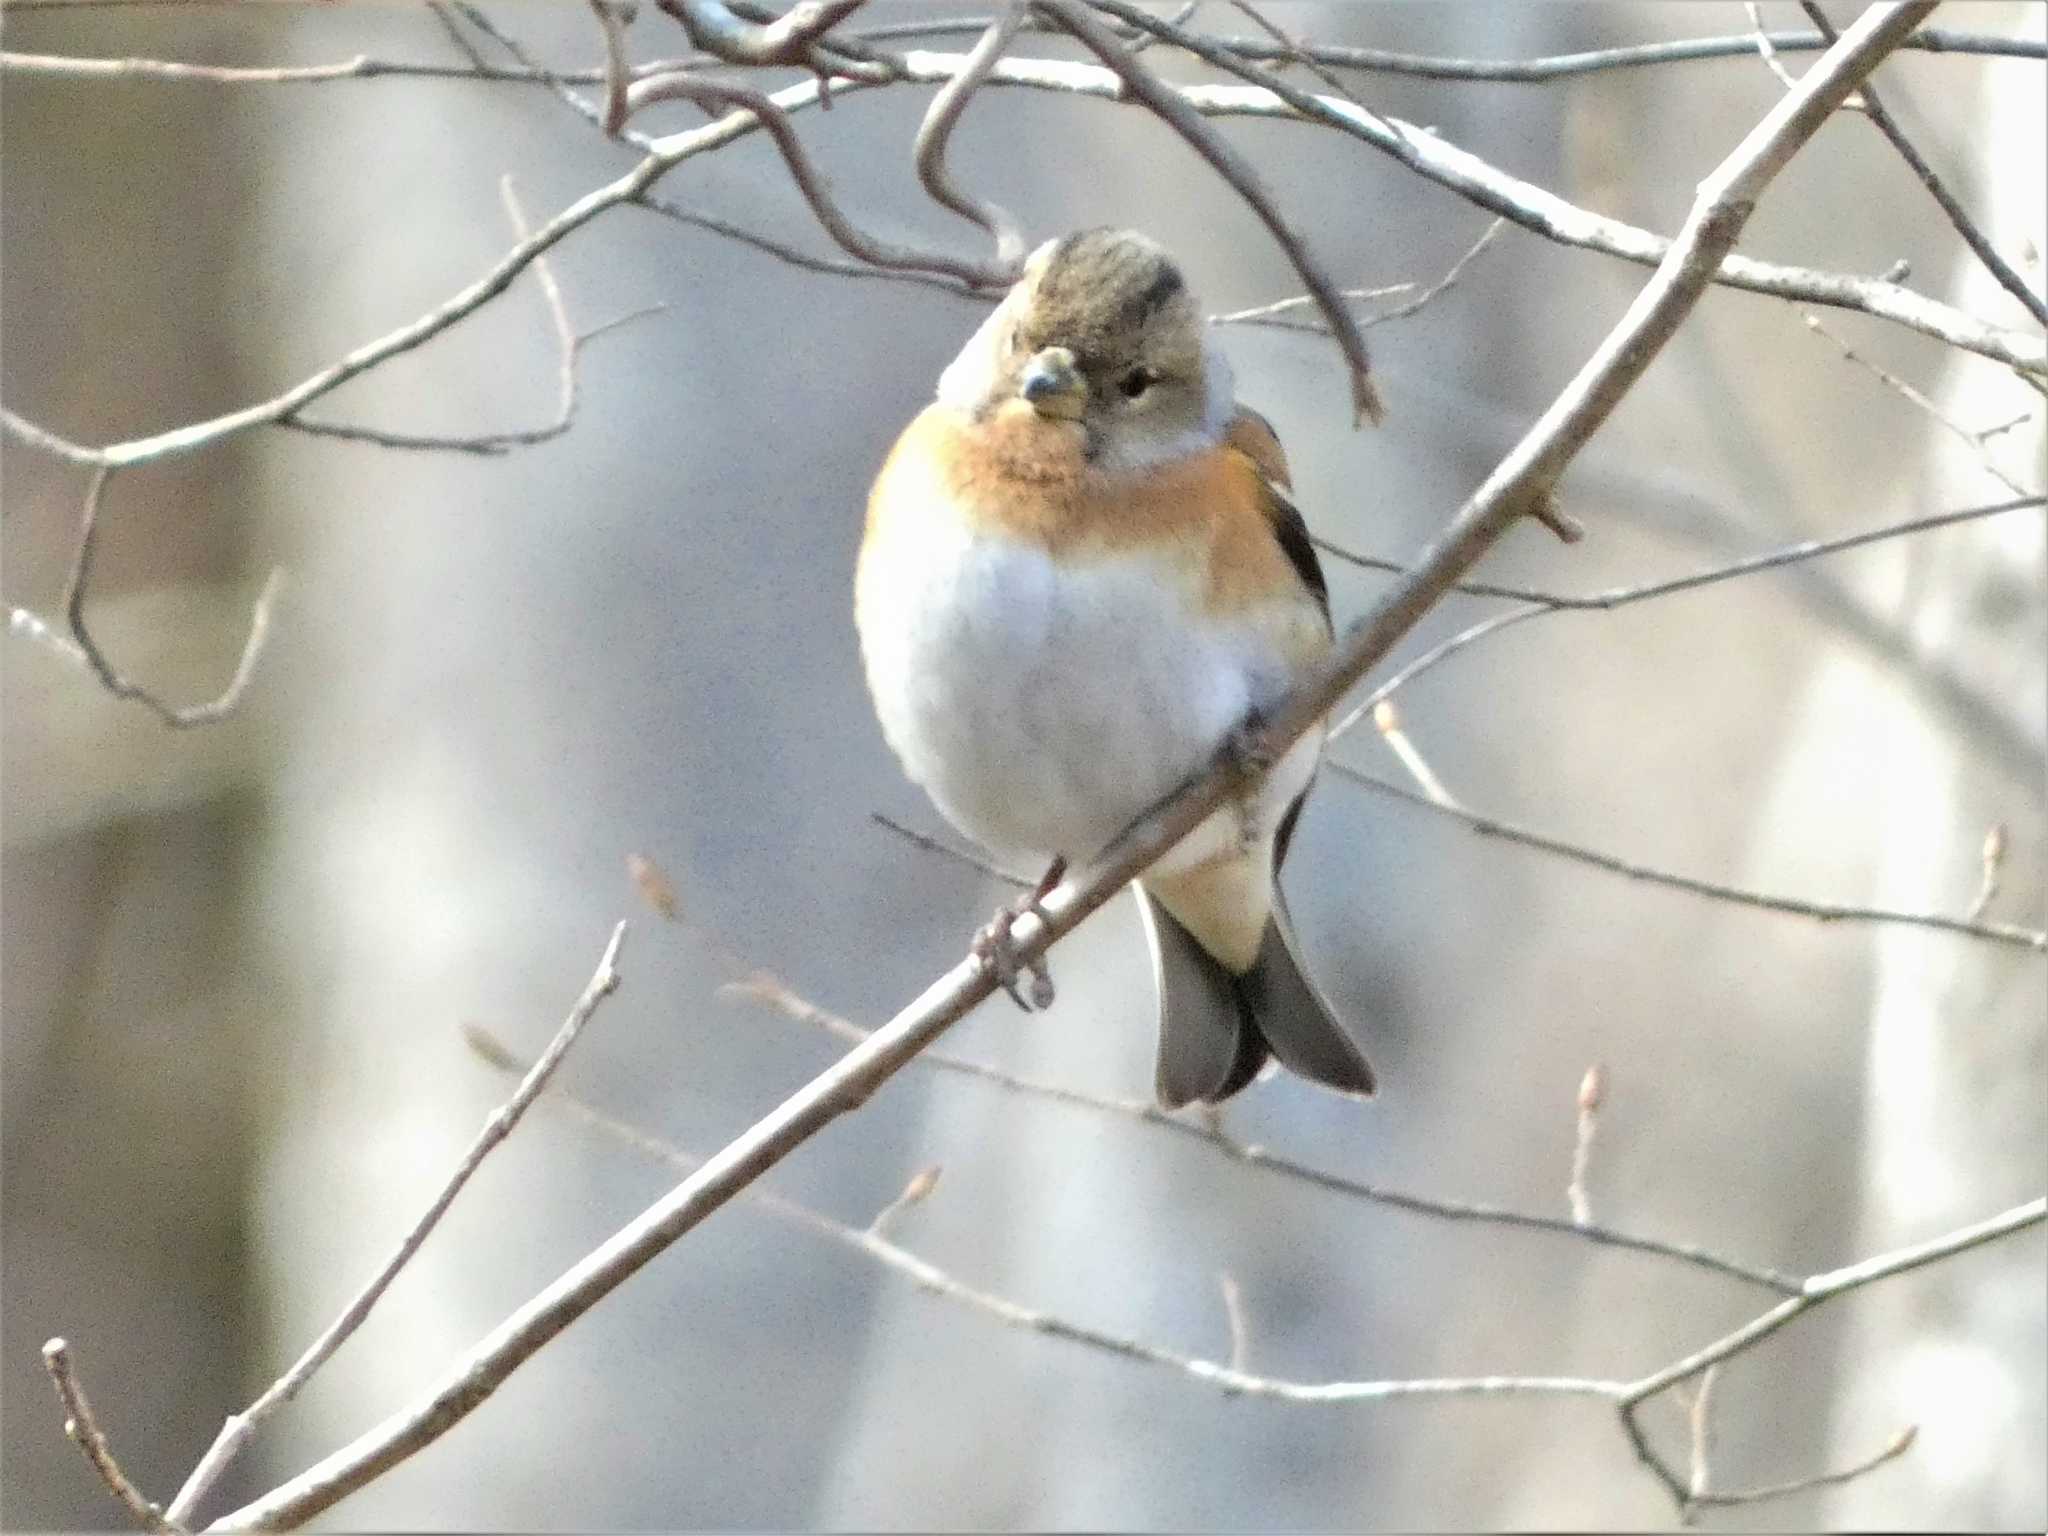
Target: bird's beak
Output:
[(1054, 386)]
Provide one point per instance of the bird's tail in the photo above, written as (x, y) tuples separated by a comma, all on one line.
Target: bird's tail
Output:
[(1218, 1026)]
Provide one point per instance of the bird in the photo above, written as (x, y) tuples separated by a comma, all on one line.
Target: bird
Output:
[(1080, 575)]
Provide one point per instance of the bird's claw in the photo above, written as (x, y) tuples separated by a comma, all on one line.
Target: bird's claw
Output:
[(996, 946), (1247, 752)]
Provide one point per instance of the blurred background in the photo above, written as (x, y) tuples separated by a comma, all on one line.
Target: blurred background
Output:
[(236, 959)]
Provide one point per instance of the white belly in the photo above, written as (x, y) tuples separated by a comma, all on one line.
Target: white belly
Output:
[(1044, 706)]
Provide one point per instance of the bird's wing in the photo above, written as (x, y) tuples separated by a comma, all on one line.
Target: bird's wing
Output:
[(1251, 435)]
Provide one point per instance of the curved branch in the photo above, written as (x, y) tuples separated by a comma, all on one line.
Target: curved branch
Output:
[(929, 151)]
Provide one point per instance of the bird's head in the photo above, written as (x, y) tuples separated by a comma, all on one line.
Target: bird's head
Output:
[(1102, 331)]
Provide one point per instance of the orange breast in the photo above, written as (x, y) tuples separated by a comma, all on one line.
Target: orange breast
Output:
[(1024, 477)]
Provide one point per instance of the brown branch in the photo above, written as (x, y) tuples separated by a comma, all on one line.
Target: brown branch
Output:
[(1530, 71), (1957, 215), (1269, 314), (811, 182), (87, 648), (569, 344), (767, 989), (84, 1431), (1232, 1379), (929, 151), (239, 1427), (1592, 1091), (1725, 201), (1894, 1448), (1975, 442), (794, 38), (1489, 826), (1542, 604), (1172, 108), (1431, 156), (1790, 554), (1815, 1291)]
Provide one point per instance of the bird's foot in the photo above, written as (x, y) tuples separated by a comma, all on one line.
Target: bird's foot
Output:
[(1250, 756), (996, 946)]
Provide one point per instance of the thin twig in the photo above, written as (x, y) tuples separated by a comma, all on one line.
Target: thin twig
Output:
[(1172, 108), (178, 717), (1914, 397), (928, 152), (1700, 1414), (1893, 1448), (1386, 719), (1957, 215), (1621, 597), (811, 182), (1991, 861), (569, 343), (1490, 826), (1766, 49), (84, 1431), (765, 988), (1592, 1090), (1232, 1379), (1234, 1320), (951, 850), (1749, 565), (1267, 314), (1726, 199), (239, 1427), (1530, 71), (1429, 155)]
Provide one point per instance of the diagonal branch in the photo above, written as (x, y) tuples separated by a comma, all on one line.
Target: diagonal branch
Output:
[(236, 1431), (1725, 202), (1958, 216)]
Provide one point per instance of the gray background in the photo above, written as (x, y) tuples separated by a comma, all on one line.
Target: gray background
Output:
[(235, 959)]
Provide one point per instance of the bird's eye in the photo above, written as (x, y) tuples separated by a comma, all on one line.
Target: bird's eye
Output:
[(1135, 383)]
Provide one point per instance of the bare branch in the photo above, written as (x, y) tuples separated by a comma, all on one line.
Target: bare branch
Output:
[(1700, 1413), (1749, 565), (239, 1427), (1592, 1091), (1531, 71), (1958, 216), (1266, 314), (1173, 108), (1894, 1448), (87, 648), (1534, 208), (1725, 202), (1766, 49), (1991, 862), (1386, 719), (569, 343), (1232, 1379), (765, 111), (929, 151), (1975, 442), (1489, 826), (84, 1431), (1621, 597), (790, 40), (766, 988)]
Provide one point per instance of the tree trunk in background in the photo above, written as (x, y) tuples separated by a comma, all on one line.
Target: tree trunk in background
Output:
[(1956, 1071)]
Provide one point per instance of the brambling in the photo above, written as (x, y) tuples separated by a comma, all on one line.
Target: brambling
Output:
[(1080, 575)]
